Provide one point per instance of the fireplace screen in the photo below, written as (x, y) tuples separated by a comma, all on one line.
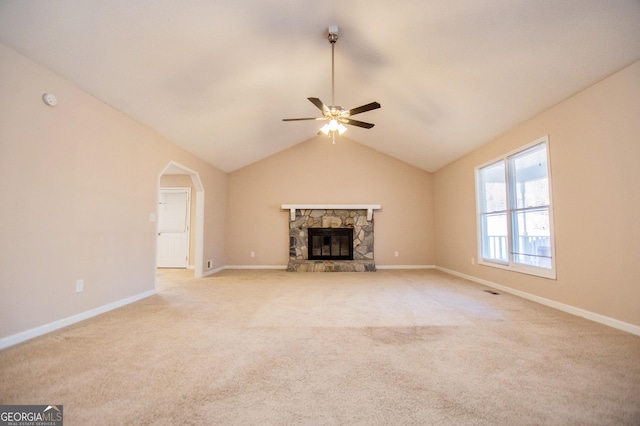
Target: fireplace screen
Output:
[(330, 243)]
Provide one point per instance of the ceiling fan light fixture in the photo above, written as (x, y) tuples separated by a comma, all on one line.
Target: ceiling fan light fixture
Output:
[(337, 115), (333, 126)]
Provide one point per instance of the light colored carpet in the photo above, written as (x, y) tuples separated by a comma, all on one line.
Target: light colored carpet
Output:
[(271, 347)]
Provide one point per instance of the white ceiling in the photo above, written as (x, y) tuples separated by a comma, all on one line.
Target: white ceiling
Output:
[(217, 77)]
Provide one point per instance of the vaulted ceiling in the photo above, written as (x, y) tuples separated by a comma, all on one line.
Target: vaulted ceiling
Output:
[(216, 77)]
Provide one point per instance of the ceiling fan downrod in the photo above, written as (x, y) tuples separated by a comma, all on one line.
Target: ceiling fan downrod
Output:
[(333, 37)]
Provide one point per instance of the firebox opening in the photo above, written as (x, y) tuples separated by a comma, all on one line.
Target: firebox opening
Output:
[(330, 243)]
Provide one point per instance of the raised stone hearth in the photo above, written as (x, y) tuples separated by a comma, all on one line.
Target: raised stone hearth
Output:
[(331, 266), (358, 218)]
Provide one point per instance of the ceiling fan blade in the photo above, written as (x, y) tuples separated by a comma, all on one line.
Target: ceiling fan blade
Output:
[(364, 108), (321, 106), (356, 123), (300, 119)]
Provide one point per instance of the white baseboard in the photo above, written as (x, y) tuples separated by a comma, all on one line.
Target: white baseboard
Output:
[(14, 339), (213, 271), (255, 267), (405, 266), (285, 267), (602, 319)]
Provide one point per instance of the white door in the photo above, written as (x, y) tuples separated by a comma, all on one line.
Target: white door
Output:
[(173, 227)]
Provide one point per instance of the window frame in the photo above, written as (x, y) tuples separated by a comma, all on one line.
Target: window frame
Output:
[(510, 209)]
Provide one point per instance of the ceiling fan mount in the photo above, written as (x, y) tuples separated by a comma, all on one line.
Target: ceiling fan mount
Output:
[(335, 114)]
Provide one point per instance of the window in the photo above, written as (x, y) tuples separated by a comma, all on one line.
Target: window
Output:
[(515, 224)]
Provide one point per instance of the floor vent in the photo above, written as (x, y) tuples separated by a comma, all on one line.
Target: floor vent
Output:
[(491, 292)]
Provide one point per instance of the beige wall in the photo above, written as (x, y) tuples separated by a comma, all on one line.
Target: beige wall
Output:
[(595, 150), (317, 172), (78, 184)]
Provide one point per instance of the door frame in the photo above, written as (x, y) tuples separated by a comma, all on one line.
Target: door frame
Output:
[(176, 168)]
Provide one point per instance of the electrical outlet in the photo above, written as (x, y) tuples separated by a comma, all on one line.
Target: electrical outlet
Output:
[(79, 286), (473, 260), (396, 253), (253, 254), (208, 264)]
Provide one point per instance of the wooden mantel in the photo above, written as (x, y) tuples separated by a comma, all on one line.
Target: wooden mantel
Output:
[(368, 207)]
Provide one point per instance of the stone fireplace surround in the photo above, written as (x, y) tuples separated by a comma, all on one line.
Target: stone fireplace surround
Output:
[(358, 217)]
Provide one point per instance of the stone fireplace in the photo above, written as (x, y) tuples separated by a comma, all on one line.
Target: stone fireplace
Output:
[(331, 238)]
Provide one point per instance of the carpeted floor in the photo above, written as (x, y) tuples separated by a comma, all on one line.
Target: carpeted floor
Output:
[(271, 347)]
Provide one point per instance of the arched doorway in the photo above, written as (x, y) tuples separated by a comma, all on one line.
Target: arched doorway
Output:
[(174, 168)]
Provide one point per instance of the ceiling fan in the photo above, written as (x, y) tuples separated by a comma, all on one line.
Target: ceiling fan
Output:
[(337, 115)]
